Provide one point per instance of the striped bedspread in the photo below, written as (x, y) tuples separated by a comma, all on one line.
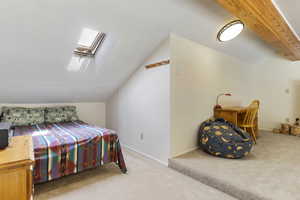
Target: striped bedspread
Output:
[(67, 148)]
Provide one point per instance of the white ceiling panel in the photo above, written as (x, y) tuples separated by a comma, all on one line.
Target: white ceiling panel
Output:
[(291, 11)]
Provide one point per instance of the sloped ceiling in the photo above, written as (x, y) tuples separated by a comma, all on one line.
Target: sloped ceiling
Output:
[(290, 9), (37, 39)]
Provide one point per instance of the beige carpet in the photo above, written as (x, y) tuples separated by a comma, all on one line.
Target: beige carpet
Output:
[(271, 171), (146, 180)]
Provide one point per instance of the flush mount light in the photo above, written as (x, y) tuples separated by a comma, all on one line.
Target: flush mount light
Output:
[(230, 30)]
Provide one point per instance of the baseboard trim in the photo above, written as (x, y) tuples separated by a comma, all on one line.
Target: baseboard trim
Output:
[(145, 155), (186, 151), (266, 129)]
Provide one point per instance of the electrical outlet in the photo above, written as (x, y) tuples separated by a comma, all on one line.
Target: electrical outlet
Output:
[(142, 136), (287, 91)]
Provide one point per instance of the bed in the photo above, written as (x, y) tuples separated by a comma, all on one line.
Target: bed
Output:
[(65, 148)]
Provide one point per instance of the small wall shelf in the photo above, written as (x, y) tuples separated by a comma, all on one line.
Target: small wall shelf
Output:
[(164, 62)]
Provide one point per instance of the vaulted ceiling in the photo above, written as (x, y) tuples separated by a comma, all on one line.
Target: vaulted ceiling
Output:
[(38, 37), (290, 9)]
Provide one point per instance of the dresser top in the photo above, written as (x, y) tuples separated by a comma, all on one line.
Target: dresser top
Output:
[(19, 152)]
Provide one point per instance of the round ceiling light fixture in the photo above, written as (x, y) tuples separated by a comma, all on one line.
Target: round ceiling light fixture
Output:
[(230, 30)]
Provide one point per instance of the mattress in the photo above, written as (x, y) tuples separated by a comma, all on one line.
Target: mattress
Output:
[(62, 149)]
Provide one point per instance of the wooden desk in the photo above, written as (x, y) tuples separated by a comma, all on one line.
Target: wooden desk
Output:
[(16, 163), (235, 115)]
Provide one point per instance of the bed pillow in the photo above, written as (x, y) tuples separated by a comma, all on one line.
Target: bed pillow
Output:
[(4, 110), (36, 115), (71, 113), (55, 115), (20, 116), (60, 114), (17, 116)]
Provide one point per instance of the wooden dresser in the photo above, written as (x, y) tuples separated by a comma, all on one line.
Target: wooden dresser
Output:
[(16, 163)]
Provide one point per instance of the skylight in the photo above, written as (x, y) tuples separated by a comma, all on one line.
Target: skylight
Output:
[(87, 37), (89, 42)]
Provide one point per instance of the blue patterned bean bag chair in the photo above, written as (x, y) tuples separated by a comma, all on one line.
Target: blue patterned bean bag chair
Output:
[(221, 138)]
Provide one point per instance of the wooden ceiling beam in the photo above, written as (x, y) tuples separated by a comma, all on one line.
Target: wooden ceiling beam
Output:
[(263, 17)]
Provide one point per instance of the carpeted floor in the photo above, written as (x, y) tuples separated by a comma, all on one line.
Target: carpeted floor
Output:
[(146, 180), (271, 171)]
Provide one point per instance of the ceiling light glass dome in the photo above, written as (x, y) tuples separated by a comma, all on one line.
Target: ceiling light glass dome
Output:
[(230, 30)]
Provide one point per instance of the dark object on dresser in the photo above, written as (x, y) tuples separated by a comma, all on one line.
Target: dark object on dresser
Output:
[(4, 134)]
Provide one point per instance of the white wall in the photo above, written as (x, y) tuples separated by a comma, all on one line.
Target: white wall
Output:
[(142, 106), (167, 104), (93, 113), (198, 74), (276, 83)]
